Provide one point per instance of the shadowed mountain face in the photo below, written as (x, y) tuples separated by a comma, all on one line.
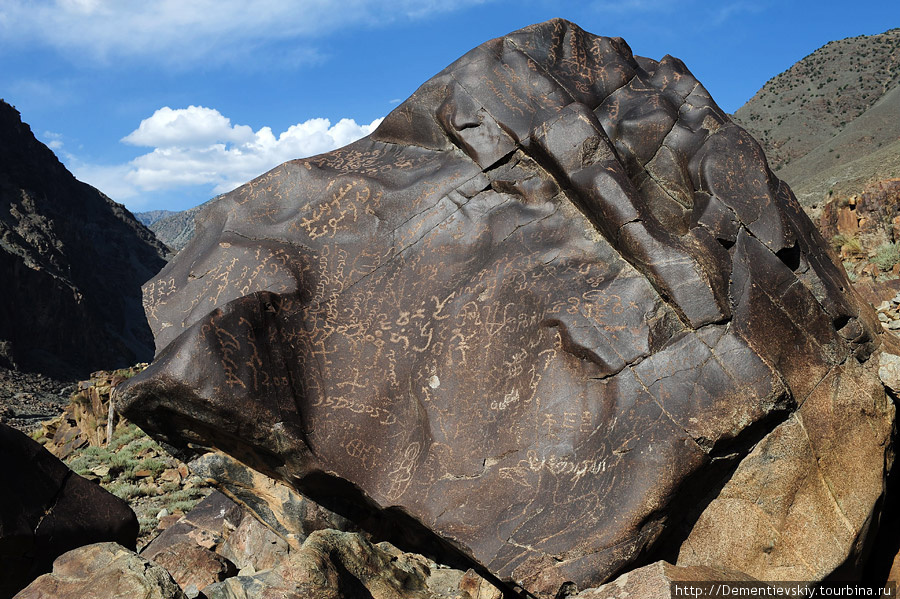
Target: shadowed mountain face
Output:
[(524, 323), (72, 262)]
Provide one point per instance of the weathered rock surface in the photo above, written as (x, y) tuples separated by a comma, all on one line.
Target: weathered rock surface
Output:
[(207, 526), (333, 564), (289, 514), (73, 262), (103, 571), (46, 510), (656, 581), (526, 323), (812, 473), (192, 565)]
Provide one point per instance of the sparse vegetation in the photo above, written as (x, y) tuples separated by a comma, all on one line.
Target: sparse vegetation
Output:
[(851, 243), (134, 467), (886, 256)]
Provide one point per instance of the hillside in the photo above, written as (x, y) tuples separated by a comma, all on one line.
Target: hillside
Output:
[(174, 229), (830, 121), (151, 216), (72, 263)]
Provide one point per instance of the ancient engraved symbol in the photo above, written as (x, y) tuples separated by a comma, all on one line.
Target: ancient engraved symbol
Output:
[(401, 475)]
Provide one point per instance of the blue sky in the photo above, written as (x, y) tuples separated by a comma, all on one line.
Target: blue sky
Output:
[(166, 103)]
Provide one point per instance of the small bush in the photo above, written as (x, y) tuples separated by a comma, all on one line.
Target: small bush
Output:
[(851, 243), (886, 256)]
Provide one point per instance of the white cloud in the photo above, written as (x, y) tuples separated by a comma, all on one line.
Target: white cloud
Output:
[(200, 146), (54, 140), (191, 126), (175, 31)]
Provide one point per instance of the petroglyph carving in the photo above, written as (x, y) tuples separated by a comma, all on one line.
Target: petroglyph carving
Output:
[(547, 291)]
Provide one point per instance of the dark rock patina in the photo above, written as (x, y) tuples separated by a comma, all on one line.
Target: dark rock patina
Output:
[(46, 510), (518, 324)]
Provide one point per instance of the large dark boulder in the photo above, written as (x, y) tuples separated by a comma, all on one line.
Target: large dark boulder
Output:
[(72, 263), (533, 322), (46, 510)]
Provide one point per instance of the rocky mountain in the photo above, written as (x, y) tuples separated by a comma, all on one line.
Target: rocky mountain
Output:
[(829, 124), (72, 263), (151, 216), (174, 229)]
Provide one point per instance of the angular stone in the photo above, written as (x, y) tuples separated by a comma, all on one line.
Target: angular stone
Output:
[(207, 525), (809, 474), (47, 509), (252, 545), (519, 328), (190, 564), (341, 565), (290, 515), (103, 571), (656, 580)]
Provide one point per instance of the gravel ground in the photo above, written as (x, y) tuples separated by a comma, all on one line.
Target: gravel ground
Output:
[(27, 399)]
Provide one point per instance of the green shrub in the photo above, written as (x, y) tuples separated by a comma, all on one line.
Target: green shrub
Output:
[(886, 256), (852, 243)]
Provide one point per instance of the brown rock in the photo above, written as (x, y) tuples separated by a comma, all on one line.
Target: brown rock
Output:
[(207, 525), (656, 581), (171, 475), (289, 514), (342, 565), (477, 587), (519, 327), (847, 222), (801, 504), (167, 521), (103, 571), (46, 510), (190, 564), (254, 546)]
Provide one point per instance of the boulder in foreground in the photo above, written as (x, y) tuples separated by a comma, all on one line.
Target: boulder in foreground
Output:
[(46, 510), (531, 325)]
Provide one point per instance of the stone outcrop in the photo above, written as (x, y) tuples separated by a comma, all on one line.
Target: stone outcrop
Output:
[(103, 571), (85, 420), (814, 472), (532, 325), (332, 564), (289, 514), (206, 526), (46, 510), (73, 262), (223, 551), (864, 227), (656, 580)]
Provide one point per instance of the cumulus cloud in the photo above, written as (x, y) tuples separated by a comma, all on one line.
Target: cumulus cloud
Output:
[(199, 146), (175, 31)]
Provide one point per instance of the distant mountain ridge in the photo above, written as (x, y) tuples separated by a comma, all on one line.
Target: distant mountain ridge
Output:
[(174, 229), (72, 263), (831, 122), (151, 216)]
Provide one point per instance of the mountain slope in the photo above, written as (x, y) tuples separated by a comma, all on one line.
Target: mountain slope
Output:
[(831, 120), (151, 216), (174, 229), (72, 262)]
